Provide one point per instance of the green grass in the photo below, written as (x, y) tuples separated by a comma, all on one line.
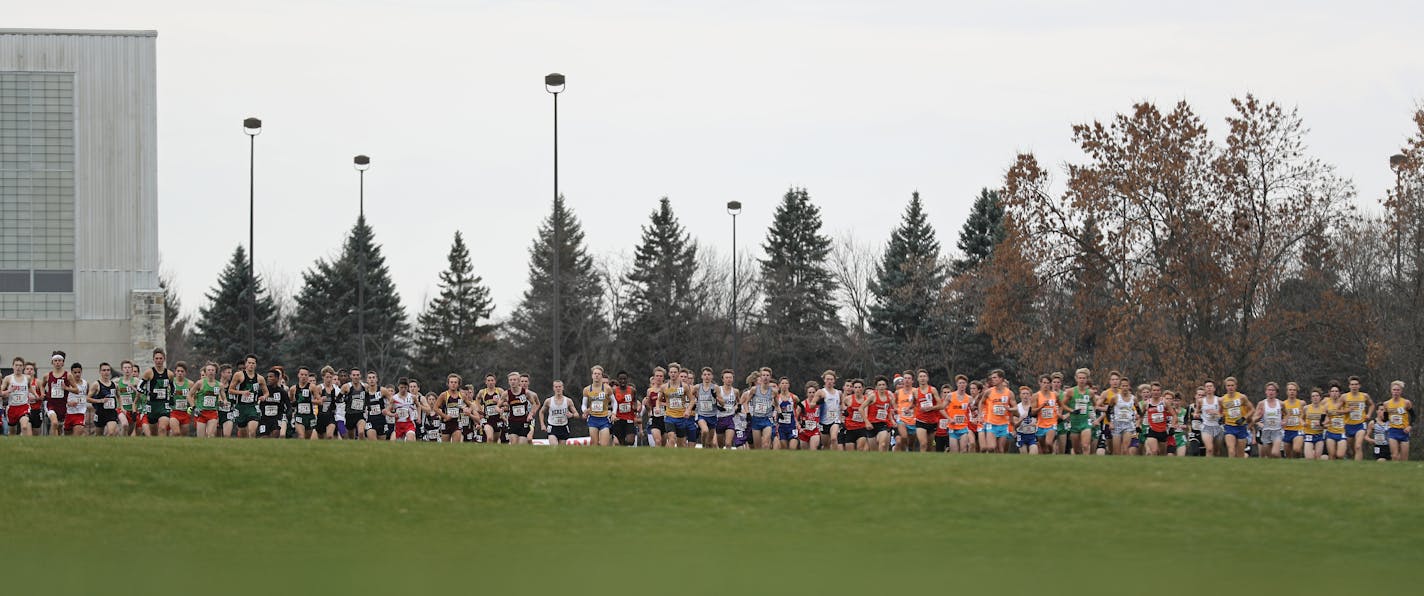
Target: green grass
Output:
[(378, 516)]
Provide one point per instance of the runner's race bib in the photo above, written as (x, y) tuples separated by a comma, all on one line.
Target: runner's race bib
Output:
[(492, 410), (17, 400), (181, 404), (675, 403), (857, 416), (959, 420), (269, 411), (1158, 418), (761, 409), (1293, 421), (597, 406), (810, 424), (373, 411), (519, 409), (358, 403), (926, 402), (210, 401), (623, 408), (999, 410), (304, 408), (108, 403), (944, 423), (1396, 420), (160, 394), (1233, 412)]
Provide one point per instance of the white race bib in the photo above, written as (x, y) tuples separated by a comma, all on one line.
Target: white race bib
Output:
[(452, 411), (761, 409), (1233, 412), (999, 409), (18, 399), (269, 411), (1158, 418), (1396, 419), (304, 408), (210, 401), (810, 424), (358, 403), (108, 403), (675, 403), (181, 404), (597, 406), (857, 416), (519, 409), (623, 408)]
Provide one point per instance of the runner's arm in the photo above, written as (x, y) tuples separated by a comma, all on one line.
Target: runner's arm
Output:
[(89, 393)]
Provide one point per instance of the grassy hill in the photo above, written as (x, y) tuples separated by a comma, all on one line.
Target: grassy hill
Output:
[(241, 515)]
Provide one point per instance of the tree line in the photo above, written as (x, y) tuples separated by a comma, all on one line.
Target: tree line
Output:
[(1163, 252)]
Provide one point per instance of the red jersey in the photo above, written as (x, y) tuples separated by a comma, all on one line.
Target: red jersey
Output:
[(54, 393), (924, 400), (1157, 417), (854, 419), (880, 405), (623, 403)]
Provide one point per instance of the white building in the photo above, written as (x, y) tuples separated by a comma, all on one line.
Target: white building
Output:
[(78, 196)]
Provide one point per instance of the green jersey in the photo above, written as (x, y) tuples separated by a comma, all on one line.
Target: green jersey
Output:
[(130, 399), (1079, 406), (207, 396), (180, 396)]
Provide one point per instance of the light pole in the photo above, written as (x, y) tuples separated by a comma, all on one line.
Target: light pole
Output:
[(734, 208), (554, 84), (362, 163), (253, 127)]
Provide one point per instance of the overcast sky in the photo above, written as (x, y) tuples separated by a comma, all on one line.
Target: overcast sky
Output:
[(861, 102)]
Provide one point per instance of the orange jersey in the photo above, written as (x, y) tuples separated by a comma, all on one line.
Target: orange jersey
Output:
[(957, 412), (996, 406), (1048, 409), (924, 400), (905, 405), (880, 407)]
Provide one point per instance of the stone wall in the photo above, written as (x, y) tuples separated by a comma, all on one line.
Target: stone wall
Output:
[(146, 325)]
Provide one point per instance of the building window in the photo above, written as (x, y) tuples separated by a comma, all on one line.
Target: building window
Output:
[(36, 188)]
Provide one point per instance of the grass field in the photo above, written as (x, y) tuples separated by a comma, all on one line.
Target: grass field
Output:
[(369, 517)]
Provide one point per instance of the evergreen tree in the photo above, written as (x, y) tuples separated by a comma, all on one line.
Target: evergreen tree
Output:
[(222, 327), (324, 323), (981, 233), (455, 334), (799, 331), (582, 326), (662, 295), (905, 325)]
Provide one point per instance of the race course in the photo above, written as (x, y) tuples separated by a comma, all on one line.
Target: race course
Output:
[(369, 517)]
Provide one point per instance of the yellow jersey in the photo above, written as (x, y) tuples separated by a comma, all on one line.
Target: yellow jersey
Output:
[(1335, 416), (599, 400), (1398, 412), (676, 398), (1234, 407), (1294, 411), (1355, 406), (1313, 415)]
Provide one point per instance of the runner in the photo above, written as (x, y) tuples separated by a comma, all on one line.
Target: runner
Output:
[(760, 402), (247, 388), (1078, 403), (727, 399), (227, 411), (627, 409), (54, 387), (1237, 408), (1025, 421), (490, 409), (15, 388), (998, 400), (1378, 431), (853, 412), (103, 399), (159, 387), (1315, 414), (449, 407), (305, 395), (1293, 439), (270, 407), (522, 404), (880, 413), (1358, 409), (707, 403), (1336, 441), (674, 399), (976, 418), (905, 412), (786, 402), (76, 402), (376, 400), (358, 394), (1123, 408), (1209, 409), (1269, 416), (598, 403), (1400, 417), (182, 411), (927, 407), (430, 423), (831, 411), (808, 412), (1047, 401), (1181, 424), (126, 387), (1060, 443), (957, 405), (1161, 416), (205, 396), (402, 408), (555, 412)]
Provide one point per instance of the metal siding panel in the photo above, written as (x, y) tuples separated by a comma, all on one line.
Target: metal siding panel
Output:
[(115, 160)]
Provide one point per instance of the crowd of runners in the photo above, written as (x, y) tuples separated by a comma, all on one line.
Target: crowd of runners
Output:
[(680, 407)]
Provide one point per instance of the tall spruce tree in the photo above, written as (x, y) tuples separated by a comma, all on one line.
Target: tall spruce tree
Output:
[(982, 231), (455, 334), (583, 327), (973, 350), (662, 295), (905, 324), (799, 329), (222, 324), (324, 322)]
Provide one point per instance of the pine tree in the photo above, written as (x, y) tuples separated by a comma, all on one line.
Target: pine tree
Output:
[(584, 330), (454, 331), (799, 331), (981, 233), (905, 325), (222, 327), (662, 298), (325, 323)]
